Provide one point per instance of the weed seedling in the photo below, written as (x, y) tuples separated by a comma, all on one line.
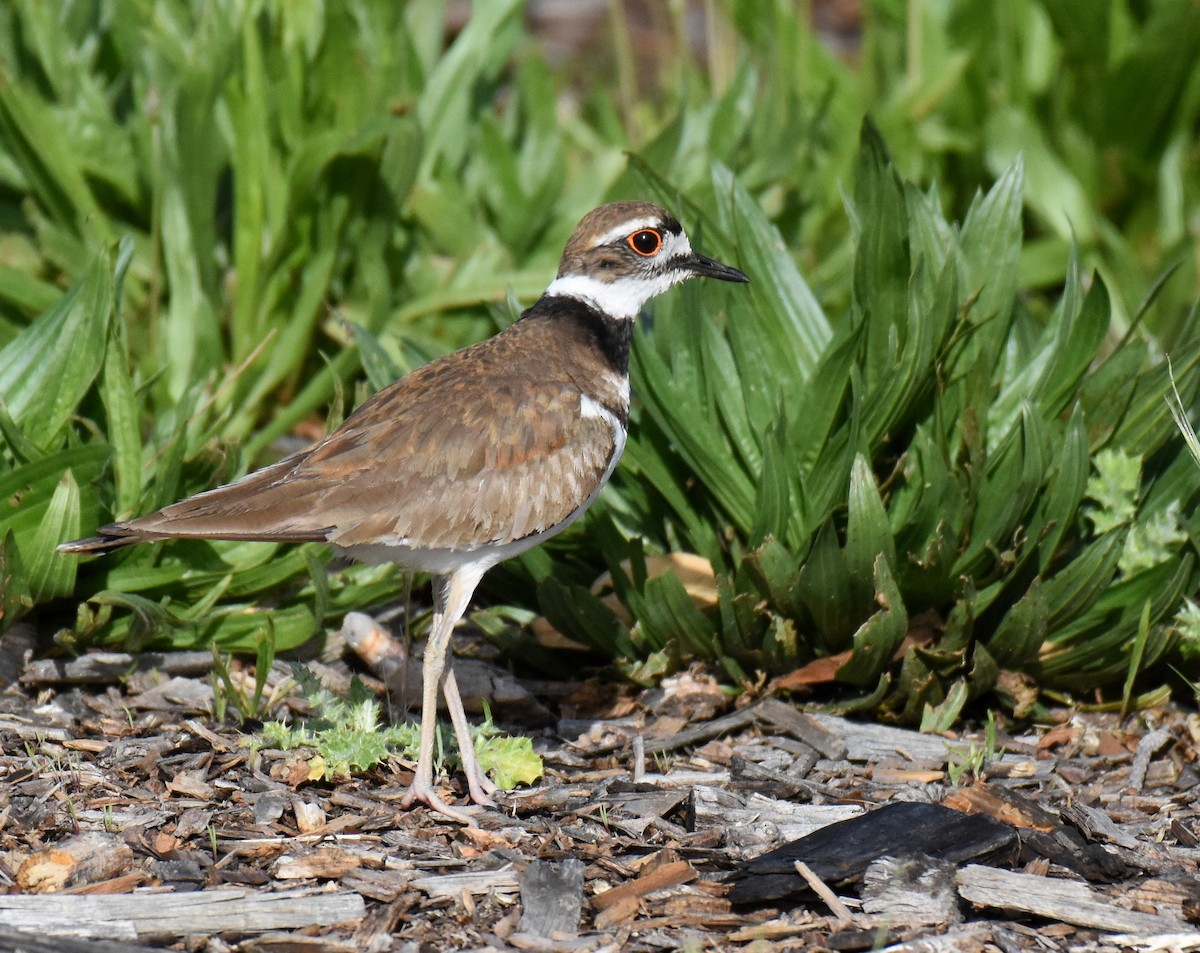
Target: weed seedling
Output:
[(347, 737), (970, 762)]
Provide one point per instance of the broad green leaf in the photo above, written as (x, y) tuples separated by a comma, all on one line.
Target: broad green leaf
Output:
[(47, 158), (773, 503), (775, 571), (1143, 429), (1020, 634), (1051, 187), (27, 490), (704, 453), (991, 246), (823, 585), (377, 364), (1060, 502), (581, 616), (1075, 349), (942, 718), (868, 536), (881, 264), (442, 108), (1093, 647), (787, 310), (1161, 67), (667, 614), (46, 370), (121, 408), (50, 573), (877, 639)]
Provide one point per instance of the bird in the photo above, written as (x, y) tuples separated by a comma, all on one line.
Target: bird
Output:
[(470, 459)]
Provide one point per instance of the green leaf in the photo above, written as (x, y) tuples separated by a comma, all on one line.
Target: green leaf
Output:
[(1064, 492), (939, 719), (50, 573), (868, 536), (1074, 589), (579, 615), (776, 574), (120, 402), (27, 489), (881, 264), (772, 505), (15, 595), (1094, 647), (442, 108), (1135, 658), (1021, 632), (1052, 189), (48, 157), (991, 250), (46, 370), (785, 310), (508, 761), (377, 364), (877, 639), (1074, 351), (824, 587), (668, 614)]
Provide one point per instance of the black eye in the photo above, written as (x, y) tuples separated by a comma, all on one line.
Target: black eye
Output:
[(646, 241)]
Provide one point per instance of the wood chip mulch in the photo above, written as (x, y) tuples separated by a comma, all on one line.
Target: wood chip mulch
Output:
[(670, 820)]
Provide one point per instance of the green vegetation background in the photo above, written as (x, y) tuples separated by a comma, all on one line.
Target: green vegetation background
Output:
[(933, 435)]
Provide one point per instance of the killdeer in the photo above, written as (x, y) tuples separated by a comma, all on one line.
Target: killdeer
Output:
[(471, 459)]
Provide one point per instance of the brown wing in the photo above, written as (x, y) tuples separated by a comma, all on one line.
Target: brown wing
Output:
[(465, 451)]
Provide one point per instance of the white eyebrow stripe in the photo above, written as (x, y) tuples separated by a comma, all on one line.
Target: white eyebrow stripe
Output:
[(628, 228)]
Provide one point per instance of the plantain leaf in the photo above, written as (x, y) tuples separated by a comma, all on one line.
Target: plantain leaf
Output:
[(824, 587), (1020, 634), (773, 505), (877, 639), (667, 615), (881, 263), (1074, 590), (868, 536), (50, 573), (120, 401), (47, 368), (582, 616), (15, 595), (26, 491), (941, 718)]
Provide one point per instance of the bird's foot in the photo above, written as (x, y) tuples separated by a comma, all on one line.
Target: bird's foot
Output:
[(422, 792), (481, 787)]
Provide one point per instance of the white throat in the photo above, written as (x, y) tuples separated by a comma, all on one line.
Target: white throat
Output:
[(622, 298)]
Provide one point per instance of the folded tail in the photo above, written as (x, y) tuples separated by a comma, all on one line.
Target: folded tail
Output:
[(103, 542)]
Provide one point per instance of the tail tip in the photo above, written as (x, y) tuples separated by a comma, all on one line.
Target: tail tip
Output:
[(94, 544)]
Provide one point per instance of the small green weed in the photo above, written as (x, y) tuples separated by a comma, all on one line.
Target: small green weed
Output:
[(229, 692), (347, 737), (1116, 488), (967, 764)]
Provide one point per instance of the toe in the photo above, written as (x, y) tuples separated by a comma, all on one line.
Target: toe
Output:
[(421, 793)]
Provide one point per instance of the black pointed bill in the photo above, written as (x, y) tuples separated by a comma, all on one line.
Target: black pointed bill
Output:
[(696, 264)]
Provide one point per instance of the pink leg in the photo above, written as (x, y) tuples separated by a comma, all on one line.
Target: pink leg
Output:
[(452, 594), (479, 784)]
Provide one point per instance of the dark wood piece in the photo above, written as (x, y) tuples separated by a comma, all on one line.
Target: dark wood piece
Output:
[(841, 853)]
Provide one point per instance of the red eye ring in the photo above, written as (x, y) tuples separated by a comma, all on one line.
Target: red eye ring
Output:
[(647, 242)]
